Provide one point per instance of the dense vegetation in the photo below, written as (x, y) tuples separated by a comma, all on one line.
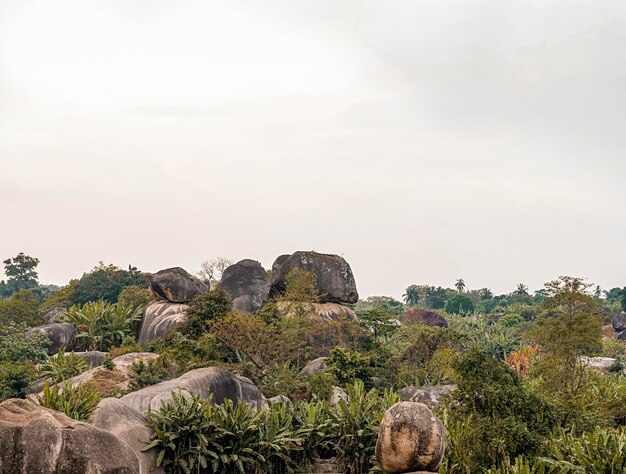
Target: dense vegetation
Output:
[(524, 400)]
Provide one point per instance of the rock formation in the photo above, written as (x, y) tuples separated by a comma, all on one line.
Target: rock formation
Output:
[(247, 283), (60, 335), (410, 439), (176, 285), (316, 311), (219, 383), (37, 440), (315, 366), (335, 281), (117, 418), (160, 318), (429, 396), (52, 315), (619, 322)]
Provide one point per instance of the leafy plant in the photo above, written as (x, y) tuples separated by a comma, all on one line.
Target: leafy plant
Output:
[(76, 402), (61, 367), (151, 372)]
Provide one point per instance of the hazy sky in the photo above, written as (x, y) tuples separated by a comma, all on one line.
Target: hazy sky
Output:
[(422, 140)]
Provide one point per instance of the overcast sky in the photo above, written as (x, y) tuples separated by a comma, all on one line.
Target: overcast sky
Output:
[(424, 141)]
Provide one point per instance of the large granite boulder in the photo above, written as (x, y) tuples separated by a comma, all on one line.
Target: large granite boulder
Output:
[(36, 440), (247, 283), (60, 335), (429, 396), (116, 417), (219, 383), (53, 315), (316, 311), (176, 285), (410, 439), (619, 321), (429, 318), (315, 366), (335, 281), (160, 318)]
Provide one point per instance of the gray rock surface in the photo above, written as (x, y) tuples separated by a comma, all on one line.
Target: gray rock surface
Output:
[(316, 365), (160, 318), (410, 439), (280, 399), (176, 285), (116, 417), (429, 396), (316, 311), (247, 283), (52, 315), (36, 440), (598, 363), (94, 358), (60, 335), (338, 394), (203, 382), (619, 321), (335, 281)]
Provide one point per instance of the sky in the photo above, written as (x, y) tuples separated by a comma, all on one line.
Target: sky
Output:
[(423, 141)]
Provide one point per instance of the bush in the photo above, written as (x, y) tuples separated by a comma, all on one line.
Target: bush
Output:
[(301, 287), (346, 366), (105, 283), (21, 307), (15, 347), (16, 379), (61, 367), (151, 372), (204, 310), (76, 402)]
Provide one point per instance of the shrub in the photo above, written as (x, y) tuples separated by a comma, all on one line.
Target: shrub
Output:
[(151, 372), (61, 367), (21, 307), (15, 347), (204, 310), (301, 287), (346, 365), (459, 304), (16, 379), (76, 402)]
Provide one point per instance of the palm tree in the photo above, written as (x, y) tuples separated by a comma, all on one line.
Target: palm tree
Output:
[(460, 285), (412, 295), (521, 289)]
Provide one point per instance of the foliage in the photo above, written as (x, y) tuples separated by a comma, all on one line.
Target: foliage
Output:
[(61, 367), (412, 295), (100, 325), (379, 321), (523, 359), (61, 298), (16, 379), (205, 310), (211, 270), (300, 287), (151, 372), (16, 347), (134, 296), (105, 283), (21, 272), (21, 307), (323, 336), (76, 402), (460, 304), (108, 362), (347, 365)]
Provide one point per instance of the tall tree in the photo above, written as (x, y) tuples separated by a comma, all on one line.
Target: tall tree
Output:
[(460, 285), (521, 289), (412, 295), (21, 272)]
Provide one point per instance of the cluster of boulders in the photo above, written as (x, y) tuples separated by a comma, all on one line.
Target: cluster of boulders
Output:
[(60, 334), (619, 325)]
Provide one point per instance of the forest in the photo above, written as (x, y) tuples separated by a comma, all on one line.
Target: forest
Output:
[(523, 382)]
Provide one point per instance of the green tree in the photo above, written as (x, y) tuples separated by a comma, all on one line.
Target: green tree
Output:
[(412, 295), (300, 287), (21, 307), (204, 310), (460, 285), (459, 304), (347, 365), (21, 272), (521, 289), (382, 323), (106, 282)]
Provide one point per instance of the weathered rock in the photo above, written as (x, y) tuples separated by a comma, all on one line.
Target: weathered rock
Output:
[(94, 358), (280, 399), (116, 417), (37, 440), (52, 315), (247, 283), (338, 394), (203, 382), (619, 321), (335, 281), (429, 318), (316, 311), (60, 335), (410, 439), (429, 396), (117, 379), (176, 285), (160, 318), (598, 363), (316, 365)]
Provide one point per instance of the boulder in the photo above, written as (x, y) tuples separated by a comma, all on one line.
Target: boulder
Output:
[(37, 440), (279, 399), (619, 321), (598, 363), (247, 283), (316, 365), (116, 417), (429, 318), (219, 383), (60, 335), (338, 394), (176, 285), (160, 318), (410, 439), (621, 336), (94, 358), (429, 396), (335, 281), (52, 315), (316, 311)]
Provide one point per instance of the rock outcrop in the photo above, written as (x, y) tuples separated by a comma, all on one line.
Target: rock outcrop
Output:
[(176, 285), (51, 316), (37, 440), (60, 335), (219, 383), (160, 318), (335, 281), (116, 417), (316, 311), (410, 439), (315, 366), (247, 283), (429, 396), (93, 358), (619, 321)]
